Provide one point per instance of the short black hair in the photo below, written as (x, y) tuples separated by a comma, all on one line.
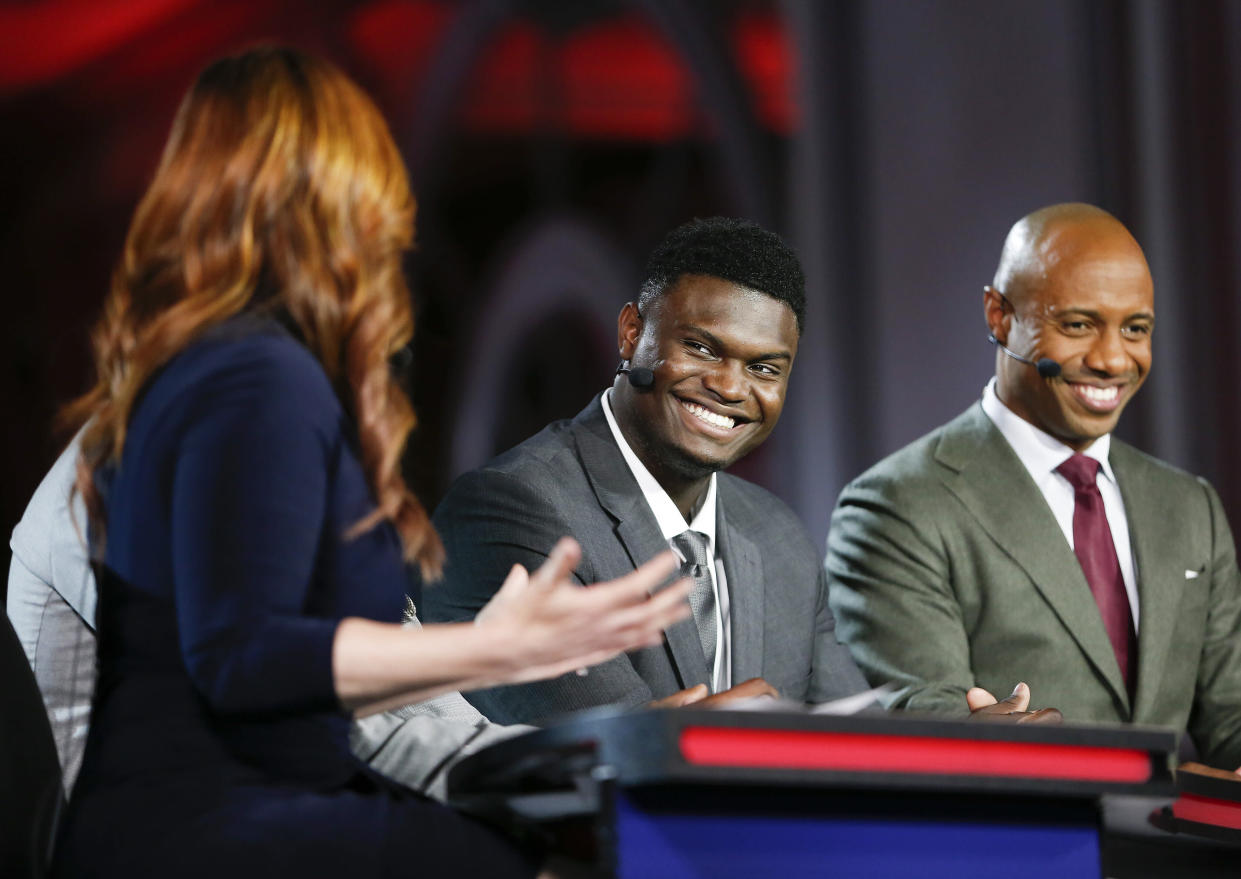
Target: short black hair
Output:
[(735, 250)]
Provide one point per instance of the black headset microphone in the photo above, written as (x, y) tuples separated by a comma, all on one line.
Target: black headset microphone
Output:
[(640, 378), (1047, 368)]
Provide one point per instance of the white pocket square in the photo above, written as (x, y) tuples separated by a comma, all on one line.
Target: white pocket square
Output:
[(1192, 575)]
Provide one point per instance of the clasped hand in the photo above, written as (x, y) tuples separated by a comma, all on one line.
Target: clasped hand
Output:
[(1014, 709)]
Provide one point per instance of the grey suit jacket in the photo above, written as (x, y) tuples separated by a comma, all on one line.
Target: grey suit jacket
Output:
[(571, 479), (948, 570), (56, 624)]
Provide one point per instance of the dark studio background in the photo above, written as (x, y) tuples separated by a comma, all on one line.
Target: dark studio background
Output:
[(552, 144)]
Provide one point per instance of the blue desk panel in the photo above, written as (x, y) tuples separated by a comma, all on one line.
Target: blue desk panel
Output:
[(675, 840)]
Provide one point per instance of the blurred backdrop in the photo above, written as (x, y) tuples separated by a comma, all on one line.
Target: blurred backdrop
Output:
[(553, 142)]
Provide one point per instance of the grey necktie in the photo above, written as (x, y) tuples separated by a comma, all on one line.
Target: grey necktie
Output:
[(693, 546)]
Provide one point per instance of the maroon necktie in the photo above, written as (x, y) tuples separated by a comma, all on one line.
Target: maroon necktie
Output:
[(1092, 542)]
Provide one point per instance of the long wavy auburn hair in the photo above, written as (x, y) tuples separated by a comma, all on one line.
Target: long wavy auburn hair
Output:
[(279, 191)]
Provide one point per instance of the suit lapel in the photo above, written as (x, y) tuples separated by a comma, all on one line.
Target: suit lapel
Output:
[(743, 568), (618, 493), (1160, 582), (987, 476)]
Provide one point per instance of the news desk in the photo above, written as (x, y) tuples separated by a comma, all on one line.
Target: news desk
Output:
[(720, 794)]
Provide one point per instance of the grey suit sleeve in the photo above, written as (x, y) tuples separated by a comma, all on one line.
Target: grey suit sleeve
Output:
[(890, 586), (51, 604), (418, 744), (491, 521), (1215, 720), (835, 674), (61, 650), (49, 537)]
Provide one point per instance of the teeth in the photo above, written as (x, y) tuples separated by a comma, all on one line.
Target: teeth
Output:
[(705, 414), (1099, 395)]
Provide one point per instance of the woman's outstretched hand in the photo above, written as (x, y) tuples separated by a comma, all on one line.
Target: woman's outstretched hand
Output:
[(536, 626), (556, 626)]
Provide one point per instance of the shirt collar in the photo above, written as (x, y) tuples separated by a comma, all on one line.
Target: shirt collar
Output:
[(671, 522), (1038, 450)]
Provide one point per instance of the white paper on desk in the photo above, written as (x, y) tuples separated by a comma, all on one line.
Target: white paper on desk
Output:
[(760, 704), (852, 704), (848, 705)]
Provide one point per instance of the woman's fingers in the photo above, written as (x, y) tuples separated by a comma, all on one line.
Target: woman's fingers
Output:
[(627, 627), (632, 588), (603, 633), (559, 565), (568, 628), (644, 579), (516, 580), (648, 620), (671, 605), (637, 587), (508, 595)]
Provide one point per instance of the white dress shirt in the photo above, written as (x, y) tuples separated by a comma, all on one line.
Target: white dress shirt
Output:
[(1042, 453), (671, 523)]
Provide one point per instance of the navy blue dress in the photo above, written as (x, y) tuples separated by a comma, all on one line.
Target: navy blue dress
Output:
[(217, 745)]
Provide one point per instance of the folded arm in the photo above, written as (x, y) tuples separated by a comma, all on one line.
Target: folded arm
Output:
[(891, 591)]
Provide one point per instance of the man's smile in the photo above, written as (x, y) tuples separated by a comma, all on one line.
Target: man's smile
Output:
[(717, 420), (1097, 398)]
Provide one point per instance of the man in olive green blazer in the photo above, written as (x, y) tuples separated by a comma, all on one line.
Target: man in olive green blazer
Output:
[(951, 563)]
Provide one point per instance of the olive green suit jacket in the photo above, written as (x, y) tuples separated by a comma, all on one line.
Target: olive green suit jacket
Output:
[(947, 570)]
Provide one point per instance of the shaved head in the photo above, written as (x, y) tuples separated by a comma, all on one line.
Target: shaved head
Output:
[(1072, 287), (1042, 239)]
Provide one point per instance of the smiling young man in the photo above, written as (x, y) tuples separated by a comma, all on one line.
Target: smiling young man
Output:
[(707, 350), (1021, 541)]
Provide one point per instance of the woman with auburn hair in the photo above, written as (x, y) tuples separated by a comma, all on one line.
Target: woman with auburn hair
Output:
[(241, 471)]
